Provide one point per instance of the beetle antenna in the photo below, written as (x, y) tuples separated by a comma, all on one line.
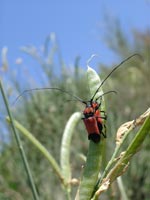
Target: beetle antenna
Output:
[(136, 54), (111, 91), (46, 88), (84, 102)]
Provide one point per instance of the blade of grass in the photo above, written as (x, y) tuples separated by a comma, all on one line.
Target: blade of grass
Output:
[(20, 147), (40, 147), (65, 151), (111, 161), (121, 166), (94, 157), (65, 145), (131, 150), (121, 188), (91, 171), (138, 122)]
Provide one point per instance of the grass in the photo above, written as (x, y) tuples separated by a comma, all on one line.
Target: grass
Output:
[(92, 182), (19, 144)]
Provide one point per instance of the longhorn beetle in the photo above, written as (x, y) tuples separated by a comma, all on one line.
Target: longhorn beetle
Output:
[(92, 113)]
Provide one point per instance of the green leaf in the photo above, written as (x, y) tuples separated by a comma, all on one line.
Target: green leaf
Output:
[(65, 145), (40, 147), (94, 82), (136, 143), (19, 144), (92, 167)]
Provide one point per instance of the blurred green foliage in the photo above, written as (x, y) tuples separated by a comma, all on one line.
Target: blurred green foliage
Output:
[(45, 114)]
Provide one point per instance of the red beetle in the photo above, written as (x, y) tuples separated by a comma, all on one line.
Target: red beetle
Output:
[(93, 122), (93, 119), (92, 114)]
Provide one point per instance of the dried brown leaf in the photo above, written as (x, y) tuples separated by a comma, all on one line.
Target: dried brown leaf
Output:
[(104, 186), (124, 128), (140, 120)]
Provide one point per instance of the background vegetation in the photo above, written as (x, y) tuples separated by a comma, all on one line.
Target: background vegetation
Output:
[(45, 114)]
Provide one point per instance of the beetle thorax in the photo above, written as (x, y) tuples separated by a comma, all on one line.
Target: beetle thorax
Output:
[(90, 109)]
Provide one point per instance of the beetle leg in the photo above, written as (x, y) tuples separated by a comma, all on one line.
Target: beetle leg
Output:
[(104, 133), (102, 117), (104, 113)]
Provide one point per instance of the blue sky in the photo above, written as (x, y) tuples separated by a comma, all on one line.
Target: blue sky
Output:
[(78, 25)]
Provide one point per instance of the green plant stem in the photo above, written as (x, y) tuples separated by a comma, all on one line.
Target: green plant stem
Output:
[(121, 188), (91, 171), (65, 149), (40, 147), (121, 165), (22, 152), (117, 149), (94, 157), (65, 145)]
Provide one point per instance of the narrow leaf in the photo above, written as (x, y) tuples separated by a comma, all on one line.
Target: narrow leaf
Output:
[(19, 144), (92, 167), (40, 147), (65, 145), (120, 166)]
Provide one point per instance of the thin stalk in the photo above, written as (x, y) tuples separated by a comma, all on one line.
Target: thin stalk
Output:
[(40, 147), (94, 156), (138, 122), (21, 150), (65, 150), (122, 164), (117, 149), (121, 188)]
